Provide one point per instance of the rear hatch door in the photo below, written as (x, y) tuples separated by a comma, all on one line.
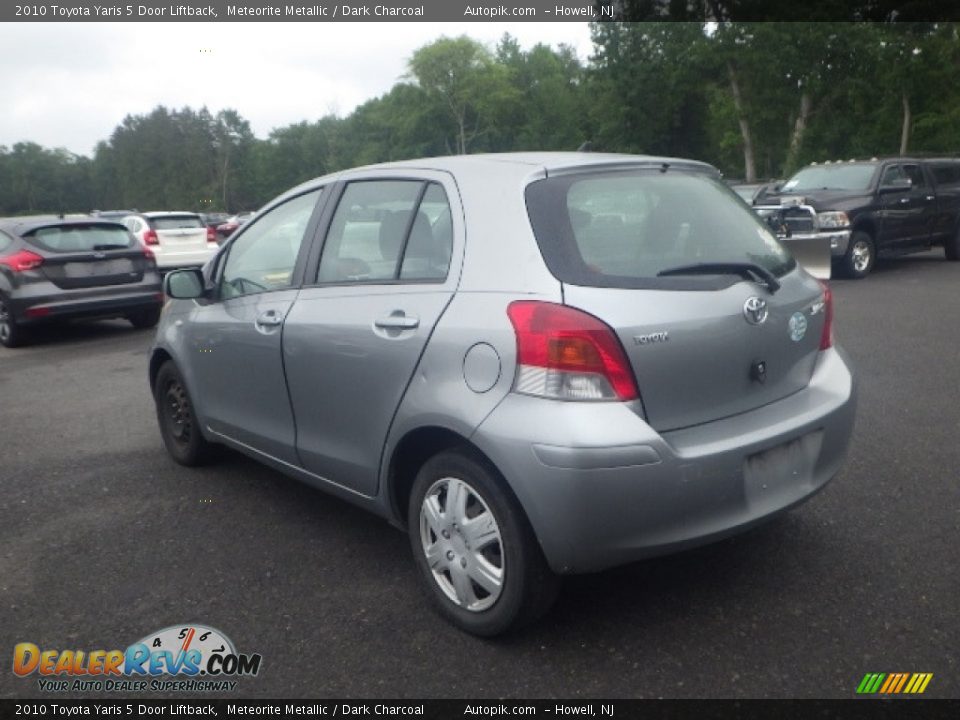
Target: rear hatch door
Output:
[(89, 255), (713, 313), (180, 233)]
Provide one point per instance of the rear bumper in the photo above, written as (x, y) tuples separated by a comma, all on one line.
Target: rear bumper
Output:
[(171, 259), (87, 304), (602, 488)]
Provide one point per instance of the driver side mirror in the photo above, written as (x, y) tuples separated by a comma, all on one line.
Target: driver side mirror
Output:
[(184, 284)]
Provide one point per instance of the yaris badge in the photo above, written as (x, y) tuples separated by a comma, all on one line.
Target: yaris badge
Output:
[(755, 310)]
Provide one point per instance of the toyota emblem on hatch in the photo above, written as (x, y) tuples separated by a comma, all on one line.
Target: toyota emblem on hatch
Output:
[(755, 310)]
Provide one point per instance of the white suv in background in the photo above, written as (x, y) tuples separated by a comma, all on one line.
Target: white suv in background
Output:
[(177, 239)]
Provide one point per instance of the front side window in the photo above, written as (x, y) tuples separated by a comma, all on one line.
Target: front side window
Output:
[(388, 230), (915, 173), (630, 229), (891, 175), (263, 257)]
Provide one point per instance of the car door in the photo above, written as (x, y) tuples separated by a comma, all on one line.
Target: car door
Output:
[(235, 339), (905, 209), (923, 208), (354, 337)]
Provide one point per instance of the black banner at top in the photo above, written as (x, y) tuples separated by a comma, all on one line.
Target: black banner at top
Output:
[(478, 10)]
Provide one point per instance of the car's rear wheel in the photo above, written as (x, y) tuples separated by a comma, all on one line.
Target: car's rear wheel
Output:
[(179, 426), (474, 548), (143, 319), (860, 257), (951, 246), (11, 333)]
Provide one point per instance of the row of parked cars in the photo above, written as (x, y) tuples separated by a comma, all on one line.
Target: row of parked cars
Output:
[(107, 264)]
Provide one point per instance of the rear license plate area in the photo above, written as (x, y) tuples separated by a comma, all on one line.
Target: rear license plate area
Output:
[(97, 268), (782, 473)]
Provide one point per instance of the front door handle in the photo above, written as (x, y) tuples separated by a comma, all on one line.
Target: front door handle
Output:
[(269, 318), (397, 321)]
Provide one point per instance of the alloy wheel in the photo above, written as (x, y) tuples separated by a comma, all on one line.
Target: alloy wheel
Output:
[(861, 256), (179, 420)]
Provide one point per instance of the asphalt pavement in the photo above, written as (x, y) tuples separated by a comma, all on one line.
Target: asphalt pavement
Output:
[(104, 540)]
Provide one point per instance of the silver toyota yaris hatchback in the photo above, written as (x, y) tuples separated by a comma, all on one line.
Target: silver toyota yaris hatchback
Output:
[(536, 363)]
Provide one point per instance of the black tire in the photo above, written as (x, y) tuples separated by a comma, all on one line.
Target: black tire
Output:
[(178, 421), (144, 319), (11, 333), (527, 586), (860, 257), (951, 246)]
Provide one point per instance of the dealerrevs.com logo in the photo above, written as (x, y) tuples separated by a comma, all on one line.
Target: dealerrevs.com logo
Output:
[(187, 658)]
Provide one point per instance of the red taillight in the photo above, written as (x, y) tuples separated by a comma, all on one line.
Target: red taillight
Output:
[(36, 312), (826, 336), (211, 235), (150, 237), (148, 253), (567, 354), (22, 261)]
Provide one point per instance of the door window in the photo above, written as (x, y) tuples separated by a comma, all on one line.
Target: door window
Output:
[(263, 257), (388, 230), (891, 175), (916, 176)]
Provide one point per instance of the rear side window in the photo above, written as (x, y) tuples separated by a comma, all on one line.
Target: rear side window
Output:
[(176, 222), (388, 230), (81, 238), (946, 174), (624, 229)]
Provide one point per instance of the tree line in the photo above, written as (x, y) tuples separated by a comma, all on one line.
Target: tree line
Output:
[(758, 100)]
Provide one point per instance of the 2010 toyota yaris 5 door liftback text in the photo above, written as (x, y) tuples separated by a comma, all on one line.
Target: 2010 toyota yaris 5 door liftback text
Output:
[(537, 364)]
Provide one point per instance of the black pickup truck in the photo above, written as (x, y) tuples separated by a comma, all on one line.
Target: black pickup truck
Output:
[(871, 208)]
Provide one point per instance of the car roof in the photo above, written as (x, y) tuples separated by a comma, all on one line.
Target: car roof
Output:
[(507, 165), (548, 161), (29, 223), (168, 213)]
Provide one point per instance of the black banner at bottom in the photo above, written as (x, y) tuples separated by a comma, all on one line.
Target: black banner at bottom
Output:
[(902, 709)]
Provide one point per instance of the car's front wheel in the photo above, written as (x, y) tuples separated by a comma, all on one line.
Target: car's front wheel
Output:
[(474, 548), (860, 257), (179, 426), (11, 333)]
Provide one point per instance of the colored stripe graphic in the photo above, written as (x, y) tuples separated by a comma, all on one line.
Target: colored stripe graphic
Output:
[(894, 683)]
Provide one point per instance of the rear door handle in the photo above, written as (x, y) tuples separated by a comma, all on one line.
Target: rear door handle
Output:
[(397, 321), (269, 318)]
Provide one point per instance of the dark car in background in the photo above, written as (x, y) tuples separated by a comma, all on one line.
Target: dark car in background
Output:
[(214, 219), (866, 209), (64, 268), (230, 226)]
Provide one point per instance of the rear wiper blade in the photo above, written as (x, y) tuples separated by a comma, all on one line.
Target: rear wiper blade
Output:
[(110, 247), (750, 271)]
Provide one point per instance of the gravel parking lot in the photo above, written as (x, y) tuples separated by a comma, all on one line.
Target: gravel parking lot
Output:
[(103, 540)]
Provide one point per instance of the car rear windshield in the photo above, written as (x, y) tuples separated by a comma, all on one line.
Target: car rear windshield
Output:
[(176, 222), (630, 229), (81, 238), (832, 177)]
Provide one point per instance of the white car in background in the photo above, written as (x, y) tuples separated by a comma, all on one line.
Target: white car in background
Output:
[(177, 239)]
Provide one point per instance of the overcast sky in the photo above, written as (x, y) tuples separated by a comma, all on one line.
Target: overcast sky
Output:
[(70, 84)]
